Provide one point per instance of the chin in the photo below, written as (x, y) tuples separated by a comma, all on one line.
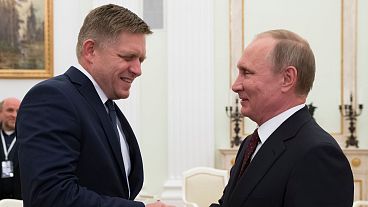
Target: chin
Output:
[(244, 112), (124, 95)]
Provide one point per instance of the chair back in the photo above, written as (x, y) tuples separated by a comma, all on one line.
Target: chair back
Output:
[(11, 203), (203, 185), (360, 204)]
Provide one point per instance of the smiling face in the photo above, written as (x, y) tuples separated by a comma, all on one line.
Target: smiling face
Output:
[(115, 64), (258, 86)]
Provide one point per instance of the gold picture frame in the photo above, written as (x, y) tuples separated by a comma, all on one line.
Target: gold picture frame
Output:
[(26, 39)]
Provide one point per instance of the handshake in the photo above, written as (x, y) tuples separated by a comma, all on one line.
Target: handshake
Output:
[(152, 201), (158, 203)]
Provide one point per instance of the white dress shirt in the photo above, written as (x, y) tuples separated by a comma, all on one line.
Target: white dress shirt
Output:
[(267, 128)]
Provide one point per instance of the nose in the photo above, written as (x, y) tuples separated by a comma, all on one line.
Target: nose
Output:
[(135, 67), (237, 85)]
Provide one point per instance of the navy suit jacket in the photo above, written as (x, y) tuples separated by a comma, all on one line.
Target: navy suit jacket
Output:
[(69, 154), (299, 165)]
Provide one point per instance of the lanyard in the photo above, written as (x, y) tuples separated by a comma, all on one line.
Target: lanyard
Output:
[(6, 152)]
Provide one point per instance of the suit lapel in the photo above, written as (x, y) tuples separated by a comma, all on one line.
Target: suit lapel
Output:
[(86, 88), (266, 156), (136, 173), (236, 168)]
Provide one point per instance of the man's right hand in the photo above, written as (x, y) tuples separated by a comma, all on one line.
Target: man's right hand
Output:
[(158, 204)]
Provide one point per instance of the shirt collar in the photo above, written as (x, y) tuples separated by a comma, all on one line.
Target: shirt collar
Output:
[(267, 128), (8, 132), (100, 92)]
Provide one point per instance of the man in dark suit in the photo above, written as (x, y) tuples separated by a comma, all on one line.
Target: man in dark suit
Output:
[(289, 161), (76, 148), (10, 180)]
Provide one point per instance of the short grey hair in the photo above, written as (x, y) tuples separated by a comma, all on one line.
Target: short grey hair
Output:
[(292, 50)]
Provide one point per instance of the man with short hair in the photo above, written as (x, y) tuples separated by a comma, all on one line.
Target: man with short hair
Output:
[(76, 148), (289, 161), (9, 181)]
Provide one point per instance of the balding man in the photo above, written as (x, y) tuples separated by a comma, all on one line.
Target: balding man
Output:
[(10, 181), (289, 161)]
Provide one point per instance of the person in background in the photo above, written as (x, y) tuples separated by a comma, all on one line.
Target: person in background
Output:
[(76, 148), (289, 161), (10, 180)]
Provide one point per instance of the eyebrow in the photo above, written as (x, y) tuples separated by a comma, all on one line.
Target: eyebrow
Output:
[(129, 54), (142, 59), (241, 67)]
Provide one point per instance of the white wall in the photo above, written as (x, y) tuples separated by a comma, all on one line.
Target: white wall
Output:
[(153, 113), (222, 76), (362, 72)]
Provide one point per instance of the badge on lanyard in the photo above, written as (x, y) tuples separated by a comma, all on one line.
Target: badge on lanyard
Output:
[(7, 169), (7, 165)]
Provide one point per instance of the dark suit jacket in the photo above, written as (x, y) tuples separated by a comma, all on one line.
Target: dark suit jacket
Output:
[(300, 165), (10, 184), (69, 154)]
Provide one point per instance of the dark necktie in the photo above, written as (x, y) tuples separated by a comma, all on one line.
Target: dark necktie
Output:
[(249, 151), (112, 114)]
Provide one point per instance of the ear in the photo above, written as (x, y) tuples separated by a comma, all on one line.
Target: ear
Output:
[(88, 50), (290, 76)]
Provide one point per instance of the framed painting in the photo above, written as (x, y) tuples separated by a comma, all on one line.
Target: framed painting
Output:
[(26, 39)]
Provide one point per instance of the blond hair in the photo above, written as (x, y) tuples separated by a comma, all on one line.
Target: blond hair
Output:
[(106, 22)]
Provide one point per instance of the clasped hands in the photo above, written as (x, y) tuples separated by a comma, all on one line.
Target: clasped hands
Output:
[(158, 204)]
